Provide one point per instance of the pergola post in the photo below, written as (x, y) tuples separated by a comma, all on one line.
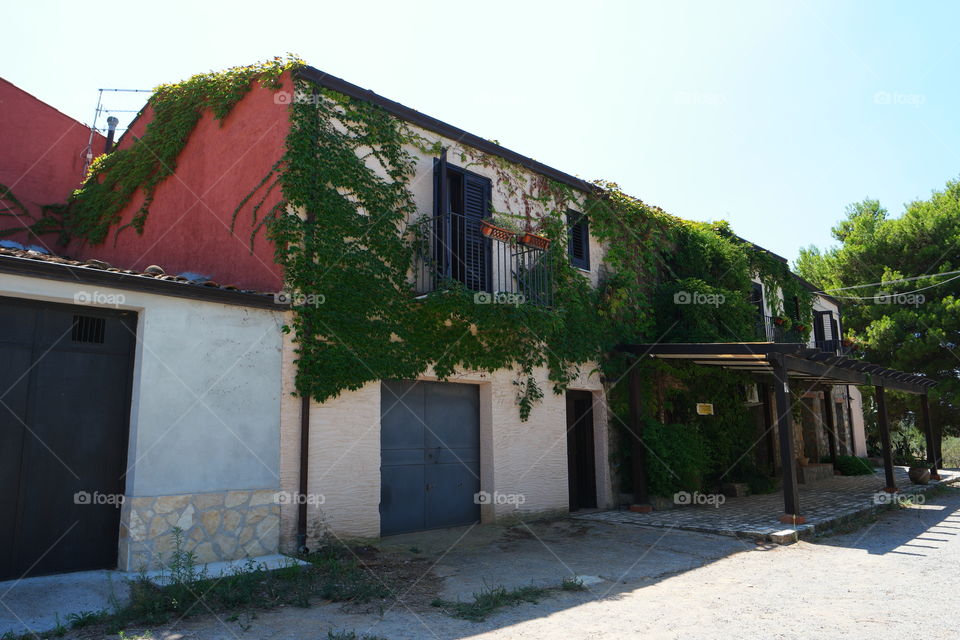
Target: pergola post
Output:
[(832, 435), (932, 450), (788, 459), (885, 440), (641, 497)]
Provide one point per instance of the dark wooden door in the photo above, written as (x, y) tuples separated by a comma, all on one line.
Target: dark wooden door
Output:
[(64, 416), (581, 466), (430, 455)]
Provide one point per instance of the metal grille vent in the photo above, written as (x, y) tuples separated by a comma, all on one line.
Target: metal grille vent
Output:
[(88, 329)]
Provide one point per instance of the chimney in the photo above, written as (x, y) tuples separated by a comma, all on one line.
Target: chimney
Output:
[(112, 123)]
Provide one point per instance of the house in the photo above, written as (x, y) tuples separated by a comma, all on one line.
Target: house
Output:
[(440, 348), (45, 157)]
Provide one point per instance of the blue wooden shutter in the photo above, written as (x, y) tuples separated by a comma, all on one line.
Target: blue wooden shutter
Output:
[(578, 240), (475, 254), (441, 218)]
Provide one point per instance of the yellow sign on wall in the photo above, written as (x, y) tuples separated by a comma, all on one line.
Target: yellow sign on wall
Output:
[(704, 409)]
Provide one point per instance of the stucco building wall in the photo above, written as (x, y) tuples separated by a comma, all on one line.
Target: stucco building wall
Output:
[(204, 444)]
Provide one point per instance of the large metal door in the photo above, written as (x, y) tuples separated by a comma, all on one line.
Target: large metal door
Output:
[(430, 455), (64, 407)]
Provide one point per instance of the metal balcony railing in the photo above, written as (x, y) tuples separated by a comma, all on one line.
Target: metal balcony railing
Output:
[(452, 249), (769, 331)]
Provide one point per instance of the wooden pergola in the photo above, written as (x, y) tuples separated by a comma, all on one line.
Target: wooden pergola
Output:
[(783, 363)]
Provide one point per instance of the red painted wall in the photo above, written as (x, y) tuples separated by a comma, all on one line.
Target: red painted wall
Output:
[(188, 227), (41, 156)]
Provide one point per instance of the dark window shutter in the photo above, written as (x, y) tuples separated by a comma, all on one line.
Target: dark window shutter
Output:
[(578, 240), (820, 326), (756, 298), (473, 252), (441, 226)]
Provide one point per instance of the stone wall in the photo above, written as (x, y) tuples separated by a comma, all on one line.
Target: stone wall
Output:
[(230, 525)]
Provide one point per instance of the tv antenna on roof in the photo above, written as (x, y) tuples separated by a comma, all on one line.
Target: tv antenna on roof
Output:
[(112, 122)]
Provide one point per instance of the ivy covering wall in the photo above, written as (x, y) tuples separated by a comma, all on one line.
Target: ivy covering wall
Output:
[(342, 229)]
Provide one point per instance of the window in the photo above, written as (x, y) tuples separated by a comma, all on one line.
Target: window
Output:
[(578, 240), (756, 298), (461, 202)]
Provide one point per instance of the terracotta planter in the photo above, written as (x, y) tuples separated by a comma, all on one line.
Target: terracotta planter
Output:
[(535, 241), (919, 475), (495, 232)]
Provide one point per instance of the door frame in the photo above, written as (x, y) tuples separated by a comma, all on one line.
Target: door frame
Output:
[(577, 457)]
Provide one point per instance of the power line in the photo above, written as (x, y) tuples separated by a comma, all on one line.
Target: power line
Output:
[(886, 282)]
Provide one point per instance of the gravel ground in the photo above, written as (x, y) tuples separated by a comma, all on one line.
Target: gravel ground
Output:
[(886, 579)]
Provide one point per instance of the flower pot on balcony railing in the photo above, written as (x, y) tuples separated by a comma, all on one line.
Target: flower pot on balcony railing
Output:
[(779, 321), (491, 230), (535, 241)]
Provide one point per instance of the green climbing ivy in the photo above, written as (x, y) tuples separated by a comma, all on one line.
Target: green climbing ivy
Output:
[(115, 177), (342, 233)]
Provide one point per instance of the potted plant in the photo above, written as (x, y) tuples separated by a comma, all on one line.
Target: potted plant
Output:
[(536, 241), (919, 471), (779, 321), (499, 228)]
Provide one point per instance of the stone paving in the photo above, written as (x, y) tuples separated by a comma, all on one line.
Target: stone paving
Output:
[(824, 504)]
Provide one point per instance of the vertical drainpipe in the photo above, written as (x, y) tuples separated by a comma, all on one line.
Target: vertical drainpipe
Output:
[(112, 123), (304, 448), (304, 457)]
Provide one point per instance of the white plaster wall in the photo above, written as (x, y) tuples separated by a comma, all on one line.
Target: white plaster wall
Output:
[(205, 409), (503, 197), (859, 429)]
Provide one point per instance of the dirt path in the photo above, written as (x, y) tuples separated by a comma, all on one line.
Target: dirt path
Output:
[(889, 578)]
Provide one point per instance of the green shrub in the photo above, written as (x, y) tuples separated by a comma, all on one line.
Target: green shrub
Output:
[(854, 466), (676, 458)]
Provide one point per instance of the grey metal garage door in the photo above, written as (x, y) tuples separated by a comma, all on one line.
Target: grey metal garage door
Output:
[(430, 455), (65, 377)]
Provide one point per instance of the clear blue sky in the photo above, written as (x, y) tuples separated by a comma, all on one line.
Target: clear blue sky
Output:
[(772, 115)]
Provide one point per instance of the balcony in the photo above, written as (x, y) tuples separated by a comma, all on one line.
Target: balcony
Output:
[(451, 251), (769, 331)]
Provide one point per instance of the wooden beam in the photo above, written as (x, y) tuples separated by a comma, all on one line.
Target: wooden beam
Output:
[(788, 459), (928, 434), (885, 440), (641, 497), (828, 411)]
